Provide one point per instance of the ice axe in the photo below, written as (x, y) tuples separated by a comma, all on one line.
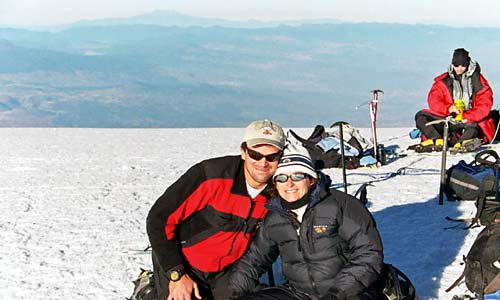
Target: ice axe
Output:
[(341, 133), (373, 118), (446, 122)]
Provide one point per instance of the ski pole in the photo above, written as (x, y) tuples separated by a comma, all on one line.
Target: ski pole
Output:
[(344, 176), (342, 153), (270, 275), (498, 124), (442, 183), (443, 160)]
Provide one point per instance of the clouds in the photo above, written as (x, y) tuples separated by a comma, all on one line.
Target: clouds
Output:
[(447, 12)]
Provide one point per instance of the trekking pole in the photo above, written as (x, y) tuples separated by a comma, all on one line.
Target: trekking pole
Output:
[(342, 154), (497, 119), (442, 182), (270, 275), (373, 118)]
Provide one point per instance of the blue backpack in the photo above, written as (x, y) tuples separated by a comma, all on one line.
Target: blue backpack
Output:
[(476, 181)]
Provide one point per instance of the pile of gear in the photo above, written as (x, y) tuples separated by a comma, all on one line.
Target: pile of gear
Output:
[(478, 181)]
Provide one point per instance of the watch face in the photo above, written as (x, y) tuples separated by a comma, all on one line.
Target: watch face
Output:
[(174, 276)]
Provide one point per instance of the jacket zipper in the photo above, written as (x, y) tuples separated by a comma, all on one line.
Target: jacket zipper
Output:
[(245, 227), (308, 237)]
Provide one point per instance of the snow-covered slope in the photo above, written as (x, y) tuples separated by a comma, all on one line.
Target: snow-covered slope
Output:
[(74, 203)]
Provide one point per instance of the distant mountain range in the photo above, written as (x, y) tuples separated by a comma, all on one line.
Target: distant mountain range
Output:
[(169, 70)]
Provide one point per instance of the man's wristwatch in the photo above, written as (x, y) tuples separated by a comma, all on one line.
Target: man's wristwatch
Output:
[(175, 275)]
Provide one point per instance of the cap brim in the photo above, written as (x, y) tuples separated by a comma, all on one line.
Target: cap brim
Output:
[(257, 142)]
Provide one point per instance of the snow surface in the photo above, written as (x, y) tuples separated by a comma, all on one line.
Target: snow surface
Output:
[(74, 204)]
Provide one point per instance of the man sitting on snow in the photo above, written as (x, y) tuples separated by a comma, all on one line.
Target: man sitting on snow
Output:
[(464, 93)]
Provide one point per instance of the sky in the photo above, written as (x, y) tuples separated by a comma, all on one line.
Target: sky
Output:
[(446, 12), (74, 213)]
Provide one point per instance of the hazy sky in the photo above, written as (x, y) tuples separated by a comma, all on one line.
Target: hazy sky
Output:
[(447, 12)]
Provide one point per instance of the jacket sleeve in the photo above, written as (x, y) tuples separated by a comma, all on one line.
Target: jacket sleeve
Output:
[(245, 273), (483, 101), (439, 99), (184, 197), (366, 257)]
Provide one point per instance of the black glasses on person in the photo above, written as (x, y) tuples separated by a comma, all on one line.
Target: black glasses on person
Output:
[(258, 156), (282, 178)]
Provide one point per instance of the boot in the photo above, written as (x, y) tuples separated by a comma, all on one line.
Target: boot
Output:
[(425, 146), (438, 145)]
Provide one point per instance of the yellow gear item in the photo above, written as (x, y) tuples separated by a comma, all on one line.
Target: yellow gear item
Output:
[(459, 104)]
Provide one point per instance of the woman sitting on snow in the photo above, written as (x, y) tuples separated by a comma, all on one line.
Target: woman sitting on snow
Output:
[(327, 240)]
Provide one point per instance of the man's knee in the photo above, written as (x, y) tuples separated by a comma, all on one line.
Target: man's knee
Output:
[(418, 115)]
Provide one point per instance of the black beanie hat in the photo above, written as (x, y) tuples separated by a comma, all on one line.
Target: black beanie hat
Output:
[(460, 57)]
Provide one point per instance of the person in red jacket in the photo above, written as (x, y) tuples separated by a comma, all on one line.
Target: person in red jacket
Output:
[(464, 93), (206, 220)]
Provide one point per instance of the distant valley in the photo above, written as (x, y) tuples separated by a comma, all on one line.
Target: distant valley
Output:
[(147, 72)]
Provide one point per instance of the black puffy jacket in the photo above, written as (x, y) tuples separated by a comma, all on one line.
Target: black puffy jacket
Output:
[(336, 251)]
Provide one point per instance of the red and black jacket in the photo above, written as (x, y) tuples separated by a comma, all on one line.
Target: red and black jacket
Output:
[(205, 219), (440, 99)]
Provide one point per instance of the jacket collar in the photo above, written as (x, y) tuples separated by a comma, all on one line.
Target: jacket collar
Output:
[(240, 185)]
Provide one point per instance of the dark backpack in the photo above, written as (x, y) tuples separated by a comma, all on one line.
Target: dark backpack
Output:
[(394, 285), (476, 181), (331, 158), (482, 263), (144, 287)]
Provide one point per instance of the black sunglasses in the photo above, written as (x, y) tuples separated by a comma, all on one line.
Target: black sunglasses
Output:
[(258, 156), (282, 178)]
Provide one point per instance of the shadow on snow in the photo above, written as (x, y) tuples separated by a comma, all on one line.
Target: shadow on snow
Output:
[(419, 241)]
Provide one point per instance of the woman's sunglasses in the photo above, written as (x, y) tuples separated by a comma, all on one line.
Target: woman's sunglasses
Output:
[(282, 178), (258, 156)]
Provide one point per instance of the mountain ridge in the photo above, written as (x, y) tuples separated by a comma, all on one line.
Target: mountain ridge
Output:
[(148, 75)]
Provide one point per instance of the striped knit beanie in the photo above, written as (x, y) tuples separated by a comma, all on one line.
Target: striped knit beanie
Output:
[(296, 159)]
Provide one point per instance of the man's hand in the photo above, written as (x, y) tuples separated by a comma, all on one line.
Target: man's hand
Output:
[(183, 289), (453, 109)]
